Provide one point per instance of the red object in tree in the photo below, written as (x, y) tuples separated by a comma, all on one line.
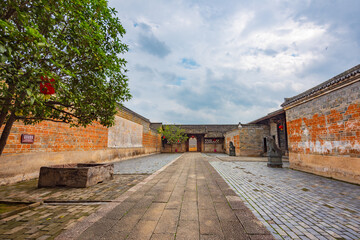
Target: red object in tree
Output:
[(163, 137), (46, 86), (178, 140), (281, 127)]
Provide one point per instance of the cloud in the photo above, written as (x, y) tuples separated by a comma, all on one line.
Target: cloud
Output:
[(149, 43), (189, 63), (225, 62)]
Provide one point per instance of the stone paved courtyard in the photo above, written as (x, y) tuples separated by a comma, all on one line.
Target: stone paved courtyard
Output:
[(63, 207), (294, 204), (189, 200), (144, 165)]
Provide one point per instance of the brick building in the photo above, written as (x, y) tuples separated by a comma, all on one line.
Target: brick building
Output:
[(248, 140), (206, 138), (276, 123), (57, 143), (323, 127)]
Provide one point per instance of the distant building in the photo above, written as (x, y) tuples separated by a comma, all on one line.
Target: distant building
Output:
[(276, 123), (202, 138)]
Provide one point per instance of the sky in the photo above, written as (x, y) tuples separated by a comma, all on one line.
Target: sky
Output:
[(231, 61)]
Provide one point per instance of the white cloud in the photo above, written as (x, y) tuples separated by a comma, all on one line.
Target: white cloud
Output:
[(231, 61)]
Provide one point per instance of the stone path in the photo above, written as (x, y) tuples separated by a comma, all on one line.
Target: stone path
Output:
[(144, 165), (106, 191), (43, 222), (293, 204), (188, 200), (64, 207)]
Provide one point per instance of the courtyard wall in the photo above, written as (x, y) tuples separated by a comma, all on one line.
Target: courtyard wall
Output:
[(58, 143), (324, 128), (248, 140)]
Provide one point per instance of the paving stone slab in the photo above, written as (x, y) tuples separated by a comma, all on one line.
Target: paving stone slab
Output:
[(292, 204)]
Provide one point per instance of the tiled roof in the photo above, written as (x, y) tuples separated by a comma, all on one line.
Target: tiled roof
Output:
[(323, 86), (270, 115), (132, 112)]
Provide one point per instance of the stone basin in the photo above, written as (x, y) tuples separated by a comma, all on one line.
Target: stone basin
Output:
[(75, 175)]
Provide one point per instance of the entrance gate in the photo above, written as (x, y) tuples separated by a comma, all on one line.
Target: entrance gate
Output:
[(192, 144)]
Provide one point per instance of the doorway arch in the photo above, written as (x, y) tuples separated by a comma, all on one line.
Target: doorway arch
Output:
[(193, 144)]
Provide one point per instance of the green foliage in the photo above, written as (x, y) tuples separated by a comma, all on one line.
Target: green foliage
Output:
[(76, 42), (173, 134)]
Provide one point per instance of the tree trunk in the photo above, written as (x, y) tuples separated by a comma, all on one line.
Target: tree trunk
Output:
[(3, 114), (6, 105), (6, 132)]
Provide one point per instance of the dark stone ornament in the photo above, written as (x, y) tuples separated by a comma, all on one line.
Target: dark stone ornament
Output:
[(231, 149), (274, 153)]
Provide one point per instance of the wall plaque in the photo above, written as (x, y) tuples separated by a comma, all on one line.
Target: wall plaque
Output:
[(27, 138)]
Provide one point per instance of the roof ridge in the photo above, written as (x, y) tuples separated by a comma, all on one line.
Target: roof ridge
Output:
[(338, 78)]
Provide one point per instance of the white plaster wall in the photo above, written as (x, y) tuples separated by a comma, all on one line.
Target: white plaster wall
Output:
[(125, 134)]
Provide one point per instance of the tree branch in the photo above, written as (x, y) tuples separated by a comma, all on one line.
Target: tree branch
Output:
[(39, 118)]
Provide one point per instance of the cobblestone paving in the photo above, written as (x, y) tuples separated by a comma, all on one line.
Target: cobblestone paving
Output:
[(293, 204), (106, 191), (71, 204), (148, 164), (187, 200), (43, 222), (227, 158)]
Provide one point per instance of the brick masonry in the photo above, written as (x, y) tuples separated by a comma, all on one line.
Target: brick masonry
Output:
[(58, 143), (56, 137), (324, 134), (248, 140)]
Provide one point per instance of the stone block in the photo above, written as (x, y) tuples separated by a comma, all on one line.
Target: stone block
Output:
[(75, 175)]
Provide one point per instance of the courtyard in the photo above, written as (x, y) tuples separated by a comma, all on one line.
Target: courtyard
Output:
[(168, 196), (294, 204)]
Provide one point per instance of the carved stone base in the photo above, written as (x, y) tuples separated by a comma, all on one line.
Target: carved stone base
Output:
[(272, 165), (274, 162), (75, 175)]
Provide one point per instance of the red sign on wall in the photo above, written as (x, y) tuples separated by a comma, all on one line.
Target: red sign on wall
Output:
[(27, 138)]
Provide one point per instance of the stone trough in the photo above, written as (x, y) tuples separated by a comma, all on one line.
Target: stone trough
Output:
[(75, 175)]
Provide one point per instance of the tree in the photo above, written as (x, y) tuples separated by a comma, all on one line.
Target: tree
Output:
[(60, 62), (172, 134)]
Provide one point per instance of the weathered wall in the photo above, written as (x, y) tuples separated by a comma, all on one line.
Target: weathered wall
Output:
[(151, 141), (125, 133), (248, 140), (181, 147), (252, 140), (56, 137), (57, 143), (234, 137), (274, 132), (324, 134), (214, 145)]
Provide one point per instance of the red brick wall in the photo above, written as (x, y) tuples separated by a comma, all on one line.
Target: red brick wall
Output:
[(329, 125), (151, 140), (334, 132), (56, 137), (324, 134)]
